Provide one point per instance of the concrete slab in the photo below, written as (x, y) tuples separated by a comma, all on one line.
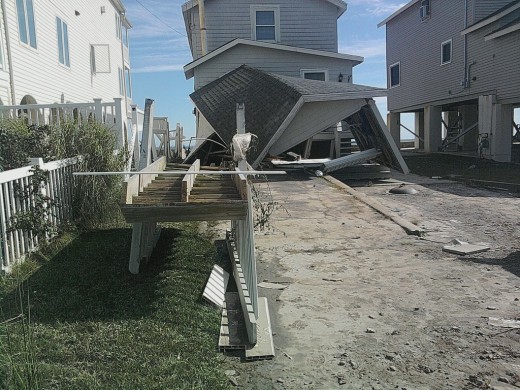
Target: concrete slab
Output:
[(464, 248), (264, 347)]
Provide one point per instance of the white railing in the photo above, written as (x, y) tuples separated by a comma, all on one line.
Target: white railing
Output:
[(14, 245), (244, 244), (111, 114)]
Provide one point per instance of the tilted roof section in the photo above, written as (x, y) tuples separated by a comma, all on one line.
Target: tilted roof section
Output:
[(188, 69), (341, 5), (269, 99), (508, 28)]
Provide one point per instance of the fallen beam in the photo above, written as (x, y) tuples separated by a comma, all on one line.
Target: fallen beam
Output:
[(350, 160)]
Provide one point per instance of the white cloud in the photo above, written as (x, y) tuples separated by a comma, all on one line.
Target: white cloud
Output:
[(368, 48), (378, 7)]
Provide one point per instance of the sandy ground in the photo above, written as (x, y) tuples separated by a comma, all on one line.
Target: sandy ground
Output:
[(368, 307)]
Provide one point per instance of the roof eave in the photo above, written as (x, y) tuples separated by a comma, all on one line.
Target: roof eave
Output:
[(398, 12), (188, 68), (487, 21)]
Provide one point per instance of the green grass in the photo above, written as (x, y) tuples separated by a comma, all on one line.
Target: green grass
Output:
[(466, 167), (96, 326)]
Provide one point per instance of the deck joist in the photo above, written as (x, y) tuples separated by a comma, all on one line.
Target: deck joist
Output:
[(165, 198)]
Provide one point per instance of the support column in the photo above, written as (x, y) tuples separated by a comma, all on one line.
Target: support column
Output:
[(419, 130), (394, 125), (469, 118), (432, 128), (495, 120)]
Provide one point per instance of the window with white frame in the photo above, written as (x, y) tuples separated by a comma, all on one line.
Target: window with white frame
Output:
[(425, 10), (315, 74), (121, 84), (118, 26), (125, 36), (63, 42), (128, 82), (394, 75), (446, 52), (26, 26), (265, 23)]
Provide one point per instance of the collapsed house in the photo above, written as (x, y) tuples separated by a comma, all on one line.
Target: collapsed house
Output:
[(288, 114)]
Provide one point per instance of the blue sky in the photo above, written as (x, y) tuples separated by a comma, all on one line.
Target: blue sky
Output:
[(159, 49)]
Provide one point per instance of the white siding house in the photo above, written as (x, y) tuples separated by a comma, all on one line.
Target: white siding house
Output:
[(63, 51)]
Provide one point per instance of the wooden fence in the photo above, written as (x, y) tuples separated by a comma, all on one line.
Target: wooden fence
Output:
[(14, 245)]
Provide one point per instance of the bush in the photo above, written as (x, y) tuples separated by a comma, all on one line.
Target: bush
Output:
[(95, 198)]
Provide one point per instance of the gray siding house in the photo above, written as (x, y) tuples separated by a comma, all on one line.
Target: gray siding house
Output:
[(455, 65), (286, 38)]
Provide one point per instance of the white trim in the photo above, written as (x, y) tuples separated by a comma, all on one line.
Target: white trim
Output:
[(342, 6), (188, 69), (324, 71), (490, 20), (450, 41), (398, 12), (398, 63), (503, 32), (254, 8)]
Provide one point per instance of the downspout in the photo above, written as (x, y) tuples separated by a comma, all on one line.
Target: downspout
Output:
[(202, 23), (466, 78), (9, 57)]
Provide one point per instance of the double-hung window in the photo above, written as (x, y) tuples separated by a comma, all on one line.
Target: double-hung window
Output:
[(128, 82), (394, 75), (446, 52), (63, 42), (265, 23), (118, 26), (425, 10), (121, 81), (26, 26)]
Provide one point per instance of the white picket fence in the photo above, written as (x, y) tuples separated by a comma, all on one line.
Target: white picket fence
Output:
[(15, 245)]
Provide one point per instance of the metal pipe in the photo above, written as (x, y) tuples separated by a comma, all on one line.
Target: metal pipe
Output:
[(466, 77), (8, 50)]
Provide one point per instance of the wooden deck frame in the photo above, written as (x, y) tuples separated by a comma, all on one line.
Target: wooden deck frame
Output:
[(189, 180)]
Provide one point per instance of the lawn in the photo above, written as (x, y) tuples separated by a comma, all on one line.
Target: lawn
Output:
[(96, 326)]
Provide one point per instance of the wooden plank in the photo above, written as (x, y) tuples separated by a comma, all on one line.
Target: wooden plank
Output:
[(189, 180), (264, 347), (215, 290), (187, 212)]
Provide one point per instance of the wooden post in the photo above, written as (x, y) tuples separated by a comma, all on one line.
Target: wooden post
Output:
[(241, 129), (120, 122), (147, 138), (134, 143), (98, 111)]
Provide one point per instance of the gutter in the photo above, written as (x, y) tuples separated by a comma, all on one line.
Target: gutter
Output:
[(9, 56)]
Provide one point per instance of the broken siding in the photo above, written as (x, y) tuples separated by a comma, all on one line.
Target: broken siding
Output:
[(496, 68), (417, 46), (269, 60), (311, 24), (313, 118)]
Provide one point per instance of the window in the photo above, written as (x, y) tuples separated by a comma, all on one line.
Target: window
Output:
[(121, 85), (100, 59), (424, 11), (26, 25), (395, 75), (63, 42), (265, 23), (125, 36), (315, 74), (128, 82), (446, 51), (118, 26)]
